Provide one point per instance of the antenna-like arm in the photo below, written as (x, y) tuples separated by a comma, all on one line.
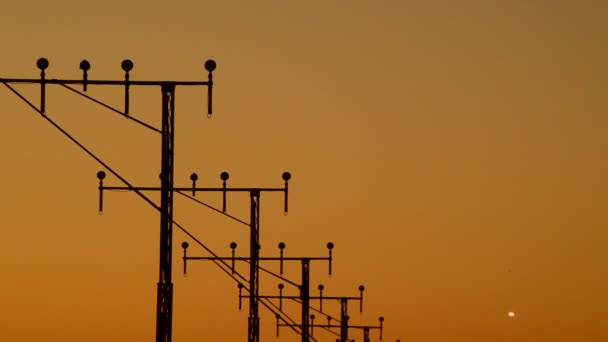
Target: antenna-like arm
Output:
[(101, 175), (127, 66), (361, 288), (85, 66), (42, 64), (210, 66), (224, 177), (281, 248), (330, 247), (233, 247), (185, 247), (281, 286), (193, 178), (321, 287)]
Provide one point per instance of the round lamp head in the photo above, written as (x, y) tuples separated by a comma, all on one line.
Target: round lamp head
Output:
[(101, 175), (42, 63), (126, 65), (85, 65), (210, 65)]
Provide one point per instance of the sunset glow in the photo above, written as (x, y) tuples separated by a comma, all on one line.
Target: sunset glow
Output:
[(455, 154)]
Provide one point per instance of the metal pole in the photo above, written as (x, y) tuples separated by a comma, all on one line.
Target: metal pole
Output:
[(343, 320), (254, 320), (305, 294), (164, 302)]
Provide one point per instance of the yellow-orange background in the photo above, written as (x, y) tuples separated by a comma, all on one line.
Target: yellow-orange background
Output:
[(454, 152)]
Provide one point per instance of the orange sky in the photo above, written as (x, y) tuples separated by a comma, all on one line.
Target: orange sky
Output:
[(453, 151)]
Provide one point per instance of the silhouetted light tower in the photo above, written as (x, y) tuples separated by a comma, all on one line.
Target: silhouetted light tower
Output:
[(304, 286), (344, 317), (165, 286), (254, 224)]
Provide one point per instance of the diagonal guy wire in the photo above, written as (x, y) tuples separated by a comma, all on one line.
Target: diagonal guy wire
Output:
[(83, 147), (222, 264), (111, 108), (212, 208)]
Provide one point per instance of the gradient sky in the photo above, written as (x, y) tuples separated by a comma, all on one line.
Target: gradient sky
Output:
[(453, 151)]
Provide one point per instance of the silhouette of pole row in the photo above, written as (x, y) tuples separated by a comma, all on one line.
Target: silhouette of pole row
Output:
[(167, 189), (304, 298), (255, 194), (165, 285)]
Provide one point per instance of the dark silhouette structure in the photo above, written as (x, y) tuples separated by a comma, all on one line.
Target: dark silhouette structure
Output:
[(165, 285), (253, 334), (167, 191), (304, 285)]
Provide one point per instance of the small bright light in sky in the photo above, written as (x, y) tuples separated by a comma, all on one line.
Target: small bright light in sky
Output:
[(511, 314)]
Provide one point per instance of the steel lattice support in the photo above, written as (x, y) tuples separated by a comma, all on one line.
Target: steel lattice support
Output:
[(366, 335), (164, 304), (343, 320), (165, 286), (254, 319), (305, 294)]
